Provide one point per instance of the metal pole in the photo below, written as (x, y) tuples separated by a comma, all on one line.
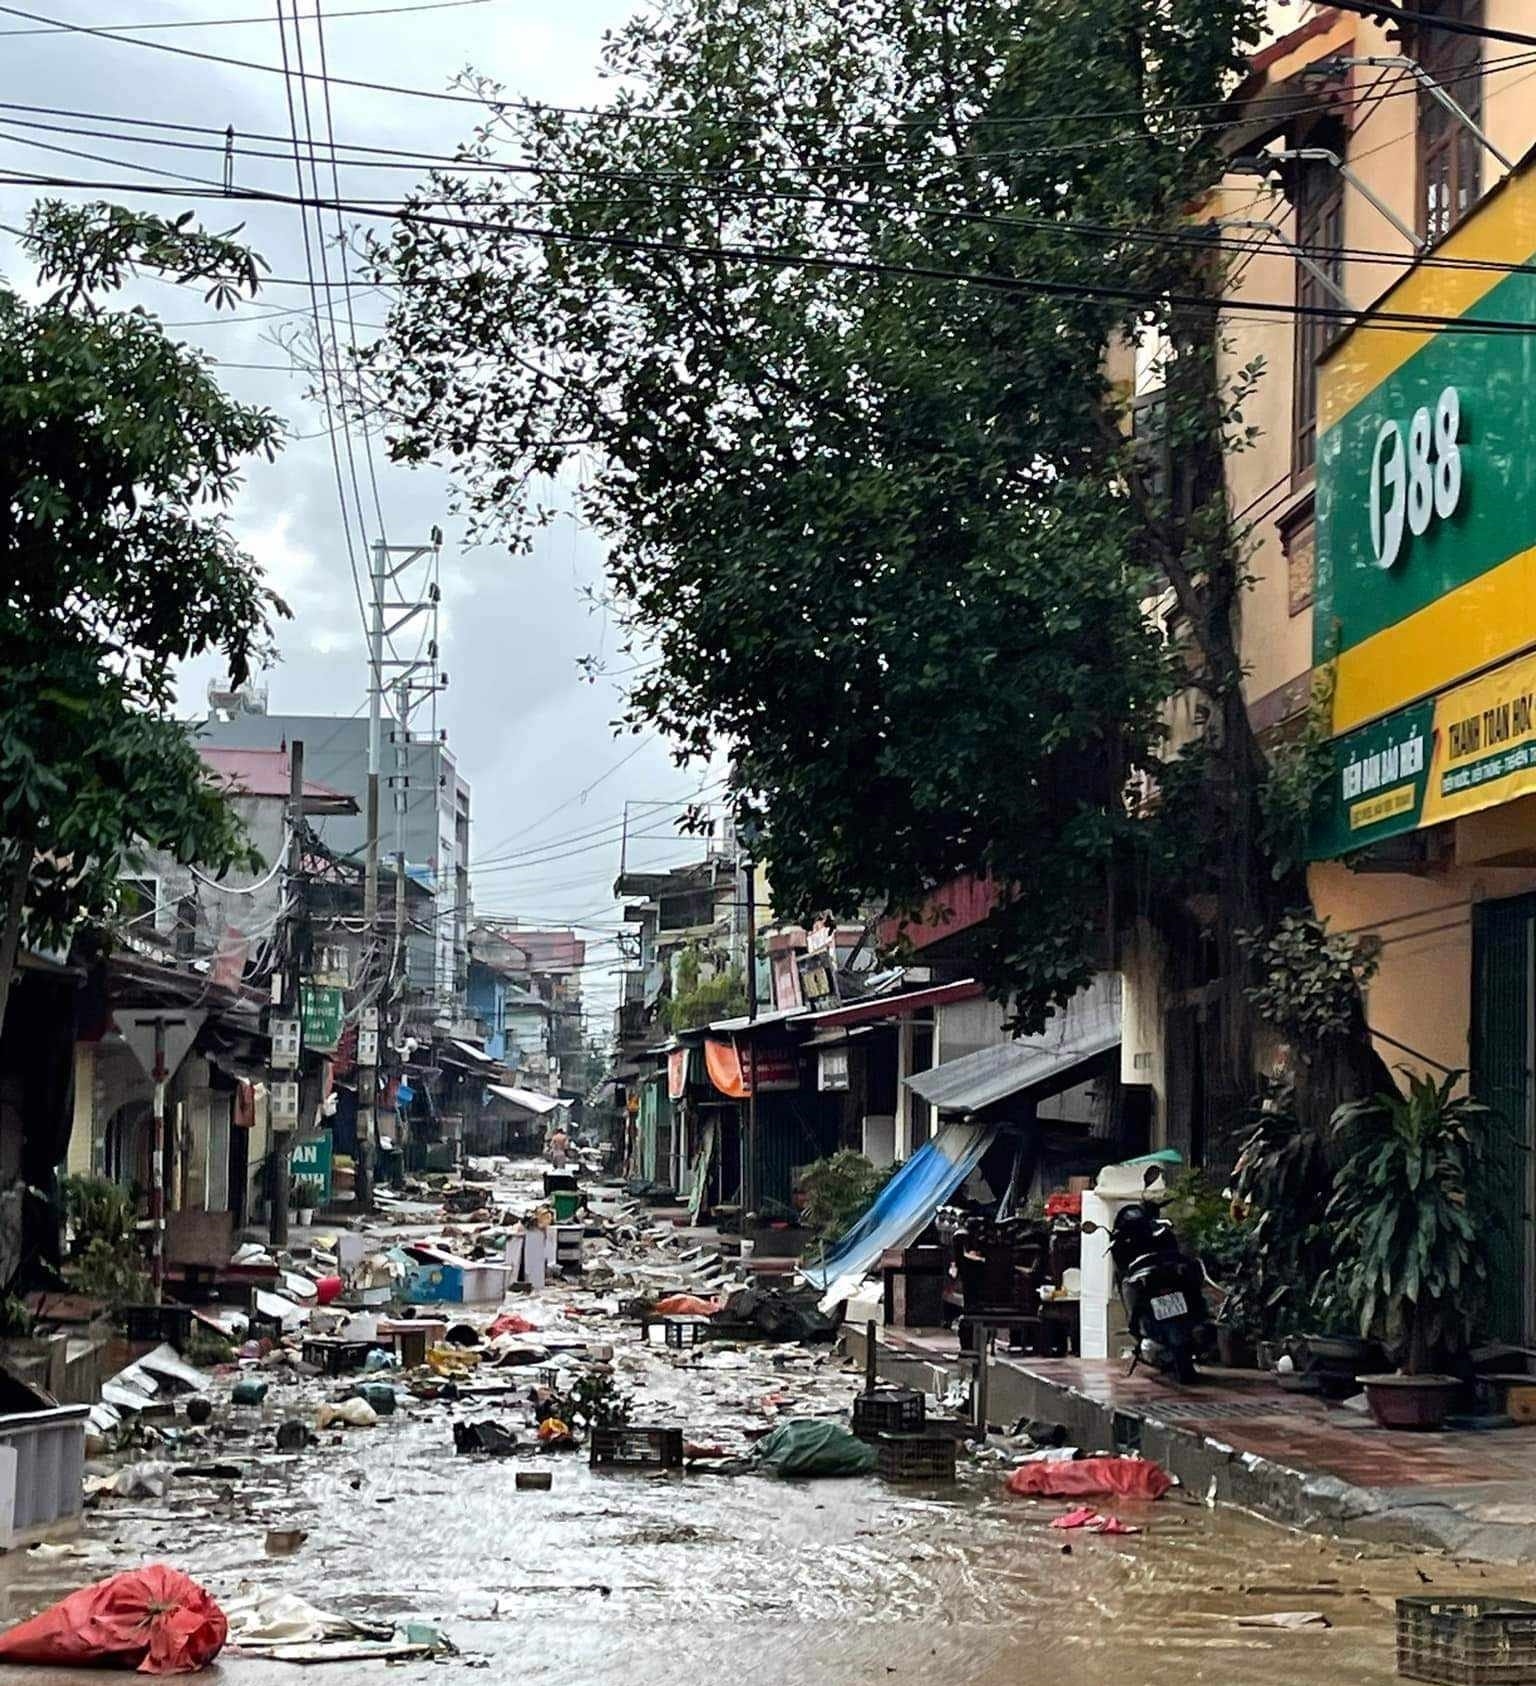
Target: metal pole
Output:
[(375, 735), (282, 1139), (157, 1171), (751, 900)]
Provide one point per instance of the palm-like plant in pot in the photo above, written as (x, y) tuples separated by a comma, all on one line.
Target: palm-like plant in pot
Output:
[(1410, 1220)]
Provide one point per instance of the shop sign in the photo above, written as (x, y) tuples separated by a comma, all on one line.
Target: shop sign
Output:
[(818, 980), (1471, 748), (310, 1163), (321, 1009), (1426, 499), (766, 1066)]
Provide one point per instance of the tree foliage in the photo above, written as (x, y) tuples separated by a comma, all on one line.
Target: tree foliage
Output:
[(119, 456), (885, 526)]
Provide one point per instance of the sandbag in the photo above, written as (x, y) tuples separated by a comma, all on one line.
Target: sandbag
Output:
[(153, 1619), (1126, 1478), (510, 1323), (814, 1446), (686, 1305)]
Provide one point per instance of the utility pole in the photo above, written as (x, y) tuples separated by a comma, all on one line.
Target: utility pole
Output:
[(283, 1122), (403, 589), (749, 1171)]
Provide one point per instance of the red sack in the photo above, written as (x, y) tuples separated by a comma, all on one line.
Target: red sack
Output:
[(509, 1323), (153, 1619), (1127, 1478), (686, 1305), (327, 1289)]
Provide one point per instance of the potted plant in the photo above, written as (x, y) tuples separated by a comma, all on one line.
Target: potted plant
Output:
[(303, 1197), (1408, 1212)]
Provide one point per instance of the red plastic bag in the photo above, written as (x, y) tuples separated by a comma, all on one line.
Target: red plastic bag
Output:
[(509, 1323), (327, 1289), (686, 1305), (1127, 1478), (153, 1619)]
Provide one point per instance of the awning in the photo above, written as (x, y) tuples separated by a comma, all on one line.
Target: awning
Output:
[(1033, 1066), (897, 1006), (906, 1203), (479, 1055), (529, 1099)]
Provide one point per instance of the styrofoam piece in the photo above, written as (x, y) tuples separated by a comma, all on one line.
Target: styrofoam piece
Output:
[(298, 1287), (166, 1362), (279, 1306)]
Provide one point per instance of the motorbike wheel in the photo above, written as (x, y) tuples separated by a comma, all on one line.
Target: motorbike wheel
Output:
[(1181, 1354)]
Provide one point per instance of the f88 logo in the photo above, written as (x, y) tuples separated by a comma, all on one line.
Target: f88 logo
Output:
[(1416, 485)]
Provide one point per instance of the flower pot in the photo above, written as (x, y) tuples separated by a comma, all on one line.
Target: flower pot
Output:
[(305, 1216), (1409, 1401), (1341, 1349)]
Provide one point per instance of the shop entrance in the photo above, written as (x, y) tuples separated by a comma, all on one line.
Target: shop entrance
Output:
[(1503, 1055)]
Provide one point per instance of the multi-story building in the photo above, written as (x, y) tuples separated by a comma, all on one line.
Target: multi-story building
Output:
[(1392, 502), (433, 831)]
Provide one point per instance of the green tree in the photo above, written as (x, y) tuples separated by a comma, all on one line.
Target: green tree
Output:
[(119, 455), (893, 533)]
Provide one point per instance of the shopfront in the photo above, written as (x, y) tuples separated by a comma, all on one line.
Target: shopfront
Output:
[(1425, 616)]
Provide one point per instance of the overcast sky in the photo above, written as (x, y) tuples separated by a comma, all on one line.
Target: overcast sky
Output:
[(530, 732)]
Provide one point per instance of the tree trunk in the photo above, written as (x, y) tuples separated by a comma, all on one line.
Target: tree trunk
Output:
[(10, 933)]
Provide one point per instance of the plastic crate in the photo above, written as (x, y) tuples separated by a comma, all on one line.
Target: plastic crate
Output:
[(915, 1457), (637, 1448), (158, 1323), (887, 1410), (335, 1358), (685, 1331), (1467, 1641)]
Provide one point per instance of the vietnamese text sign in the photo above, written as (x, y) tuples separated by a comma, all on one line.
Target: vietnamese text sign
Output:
[(1472, 748), (310, 1164), (320, 1007)]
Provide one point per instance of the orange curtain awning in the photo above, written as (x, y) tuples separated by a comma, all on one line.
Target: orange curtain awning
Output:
[(723, 1064)]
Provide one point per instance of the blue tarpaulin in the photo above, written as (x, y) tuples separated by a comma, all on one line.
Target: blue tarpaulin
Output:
[(906, 1203)]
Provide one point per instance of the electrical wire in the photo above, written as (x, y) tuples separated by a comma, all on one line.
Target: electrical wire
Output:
[(314, 306), (247, 889), (346, 268), (220, 23), (628, 113), (844, 263)]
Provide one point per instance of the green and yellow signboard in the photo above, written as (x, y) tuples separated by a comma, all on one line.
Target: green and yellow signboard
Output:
[(1426, 540)]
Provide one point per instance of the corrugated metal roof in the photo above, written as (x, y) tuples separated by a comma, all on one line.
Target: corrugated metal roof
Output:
[(1035, 1066), (530, 1100)]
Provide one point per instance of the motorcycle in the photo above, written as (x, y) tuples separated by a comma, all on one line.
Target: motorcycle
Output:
[(1161, 1286)]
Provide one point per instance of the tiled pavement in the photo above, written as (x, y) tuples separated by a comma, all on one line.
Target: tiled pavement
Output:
[(1289, 1455)]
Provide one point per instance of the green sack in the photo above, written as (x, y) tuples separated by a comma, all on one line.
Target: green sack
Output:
[(814, 1446)]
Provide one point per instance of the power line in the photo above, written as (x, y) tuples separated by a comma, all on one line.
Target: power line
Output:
[(625, 112), (314, 307), (220, 23), (1379, 9), (843, 263)]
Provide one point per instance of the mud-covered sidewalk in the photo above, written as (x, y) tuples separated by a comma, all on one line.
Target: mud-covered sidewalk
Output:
[(1240, 1439)]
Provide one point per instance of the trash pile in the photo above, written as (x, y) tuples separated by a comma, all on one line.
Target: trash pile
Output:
[(546, 1342)]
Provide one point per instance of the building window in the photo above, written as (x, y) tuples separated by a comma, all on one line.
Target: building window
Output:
[(1320, 233), (1300, 567), (1450, 155)]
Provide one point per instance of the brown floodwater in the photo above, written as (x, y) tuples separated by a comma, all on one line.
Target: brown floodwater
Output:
[(640, 1580)]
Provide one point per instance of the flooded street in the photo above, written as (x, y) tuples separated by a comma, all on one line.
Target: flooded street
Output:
[(641, 1578)]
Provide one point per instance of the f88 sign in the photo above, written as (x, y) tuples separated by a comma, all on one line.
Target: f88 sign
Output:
[(1415, 484)]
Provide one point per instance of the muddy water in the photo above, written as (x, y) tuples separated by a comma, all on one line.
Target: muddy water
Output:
[(637, 1579)]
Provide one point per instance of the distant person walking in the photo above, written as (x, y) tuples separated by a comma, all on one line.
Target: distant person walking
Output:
[(555, 1146)]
